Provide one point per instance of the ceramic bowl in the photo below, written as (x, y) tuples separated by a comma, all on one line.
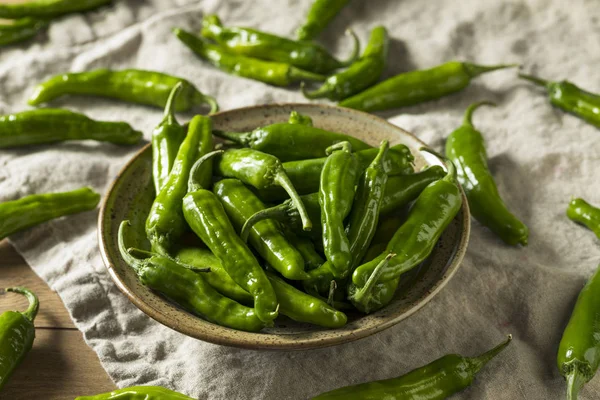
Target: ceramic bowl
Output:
[(131, 195)]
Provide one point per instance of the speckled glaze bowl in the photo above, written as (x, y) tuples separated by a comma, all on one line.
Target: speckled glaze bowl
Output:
[(131, 195)]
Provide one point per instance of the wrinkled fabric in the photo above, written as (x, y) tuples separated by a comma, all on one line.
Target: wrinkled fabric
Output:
[(540, 157)]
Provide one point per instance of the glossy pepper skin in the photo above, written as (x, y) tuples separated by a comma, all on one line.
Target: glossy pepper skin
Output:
[(48, 8), (206, 216), (579, 350), (466, 148), (48, 125), (17, 215), (570, 98), (320, 14), (312, 259), (402, 189), (166, 139), (361, 75), (165, 223), (584, 213), (308, 56), (138, 393), (271, 72), (336, 194), (20, 30), (187, 288), (435, 381), (17, 334), (290, 142), (416, 87), (265, 237), (132, 85), (414, 241), (260, 170)]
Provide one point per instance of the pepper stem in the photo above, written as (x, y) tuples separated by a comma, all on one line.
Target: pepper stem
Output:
[(474, 70), (468, 119), (200, 98), (278, 213), (323, 91), (345, 146), (362, 292), (169, 114), (332, 288), (479, 362), (284, 181), (242, 138), (297, 74), (575, 381), (450, 168), (193, 184), (535, 79), (132, 261), (380, 157), (34, 303), (355, 49)]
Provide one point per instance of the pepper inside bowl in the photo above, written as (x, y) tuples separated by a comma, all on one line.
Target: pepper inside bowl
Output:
[(132, 194)]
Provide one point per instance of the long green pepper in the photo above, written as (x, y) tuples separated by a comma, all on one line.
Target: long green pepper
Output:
[(466, 148), (48, 8), (361, 75), (415, 87), (132, 85), (49, 125), (249, 42), (17, 215), (17, 333), (274, 73), (584, 213), (20, 30), (138, 393), (320, 14)]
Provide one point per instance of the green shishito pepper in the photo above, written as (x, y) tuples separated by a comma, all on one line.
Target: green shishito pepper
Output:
[(584, 213), (187, 288), (570, 98), (48, 8), (312, 259), (32, 210), (17, 333), (49, 125), (166, 140), (336, 194), (260, 170), (416, 87), (132, 85), (361, 75), (165, 223), (319, 16), (290, 142), (206, 216), (265, 237), (138, 393), (579, 351), (466, 148), (252, 43), (435, 381), (271, 72), (414, 241), (20, 30)]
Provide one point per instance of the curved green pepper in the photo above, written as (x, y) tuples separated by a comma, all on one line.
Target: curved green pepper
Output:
[(187, 288), (336, 194), (570, 98), (312, 259), (465, 147), (374, 294), (48, 8), (165, 223), (415, 87), (20, 30), (435, 381), (579, 351), (265, 237), (32, 210), (319, 16), (361, 75), (274, 73), (50, 125), (414, 241), (584, 213), (17, 334), (132, 85), (166, 140), (138, 393), (308, 56), (402, 189)]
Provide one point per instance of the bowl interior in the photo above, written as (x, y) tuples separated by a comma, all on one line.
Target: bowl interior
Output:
[(132, 194)]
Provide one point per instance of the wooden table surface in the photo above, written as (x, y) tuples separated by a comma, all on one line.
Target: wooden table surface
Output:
[(60, 366)]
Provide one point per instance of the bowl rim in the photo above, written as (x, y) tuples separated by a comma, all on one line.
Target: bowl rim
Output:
[(261, 342)]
